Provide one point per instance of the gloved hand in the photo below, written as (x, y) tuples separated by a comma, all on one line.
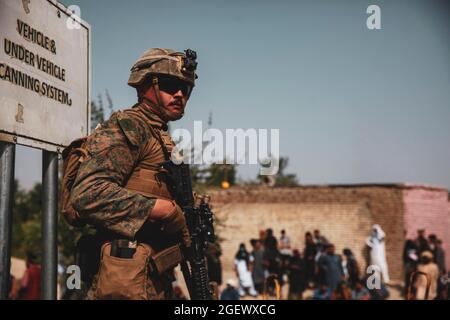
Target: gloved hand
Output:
[(171, 219), (174, 222)]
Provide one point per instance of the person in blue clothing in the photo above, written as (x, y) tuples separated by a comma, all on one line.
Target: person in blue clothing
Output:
[(331, 266), (230, 292), (360, 292), (322, 293)]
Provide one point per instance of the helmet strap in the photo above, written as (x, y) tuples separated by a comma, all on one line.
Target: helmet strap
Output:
[(159, 107), (155, 85)]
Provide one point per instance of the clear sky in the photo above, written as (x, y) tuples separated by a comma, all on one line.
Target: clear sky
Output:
[(353, 105)]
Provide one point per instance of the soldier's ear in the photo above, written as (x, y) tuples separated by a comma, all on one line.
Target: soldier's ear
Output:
[(142, 88), (140, 92)]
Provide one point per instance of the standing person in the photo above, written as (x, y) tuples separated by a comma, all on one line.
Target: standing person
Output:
[(262, 236), (213, 254), (257, 262), (376, 243), (270, 241), (410, 261), (331, 264), (432, 239), (123, 192), (30, 288), (230, 292), (309, 254), (321, 243), (360, 292), (440, 257), (380, 292), (297, 276), (351, 265), (427, 266), (272, 257), (242, 268), (442, 288), (320, 240), (421, 242), (438, 252), (284, 246), (322, 292), (342, 292)]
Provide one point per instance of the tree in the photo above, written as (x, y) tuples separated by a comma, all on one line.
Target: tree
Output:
[(213, 175), (220, 173), (98, 115), (283, 179), (26, 221), (27, 229)]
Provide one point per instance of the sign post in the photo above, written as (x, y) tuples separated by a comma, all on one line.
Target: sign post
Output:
[(49, 224), (7, 153)]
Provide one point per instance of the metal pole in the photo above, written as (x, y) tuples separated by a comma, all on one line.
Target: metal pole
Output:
[(7, 157), (49, 224)]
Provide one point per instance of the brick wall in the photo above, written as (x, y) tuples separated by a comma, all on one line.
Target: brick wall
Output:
[(346, 225), (428, 208), (344, 213)]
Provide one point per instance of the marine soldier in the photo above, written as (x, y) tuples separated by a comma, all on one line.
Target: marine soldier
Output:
[(120, 187)]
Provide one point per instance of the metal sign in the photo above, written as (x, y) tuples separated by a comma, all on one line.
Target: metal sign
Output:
[(44, 74)]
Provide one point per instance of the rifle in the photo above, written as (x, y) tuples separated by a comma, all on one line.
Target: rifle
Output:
[(199, 219)]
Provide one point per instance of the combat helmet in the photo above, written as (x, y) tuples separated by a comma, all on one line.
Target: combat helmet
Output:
[(164, 62)]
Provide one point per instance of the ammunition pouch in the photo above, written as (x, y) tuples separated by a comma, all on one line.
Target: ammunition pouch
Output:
[(136, 277), (166, 259)]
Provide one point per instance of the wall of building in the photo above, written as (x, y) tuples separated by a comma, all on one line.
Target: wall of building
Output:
[(345, 225), (428, 208), (344, 214)]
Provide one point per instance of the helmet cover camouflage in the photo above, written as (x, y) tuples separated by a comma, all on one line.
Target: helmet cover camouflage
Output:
[(165, 62)]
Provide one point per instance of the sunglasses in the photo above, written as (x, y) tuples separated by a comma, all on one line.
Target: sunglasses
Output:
[(172, 86)]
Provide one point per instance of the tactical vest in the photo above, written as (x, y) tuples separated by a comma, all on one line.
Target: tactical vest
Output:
[(148, 177)]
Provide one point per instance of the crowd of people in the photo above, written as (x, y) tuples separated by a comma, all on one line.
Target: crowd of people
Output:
[(425, 255), (272, 263)]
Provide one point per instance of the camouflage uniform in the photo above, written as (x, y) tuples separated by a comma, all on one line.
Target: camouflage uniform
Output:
[(118, 153), (114, 149)]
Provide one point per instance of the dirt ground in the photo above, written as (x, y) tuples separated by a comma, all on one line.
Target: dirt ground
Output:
[(395, 288)]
